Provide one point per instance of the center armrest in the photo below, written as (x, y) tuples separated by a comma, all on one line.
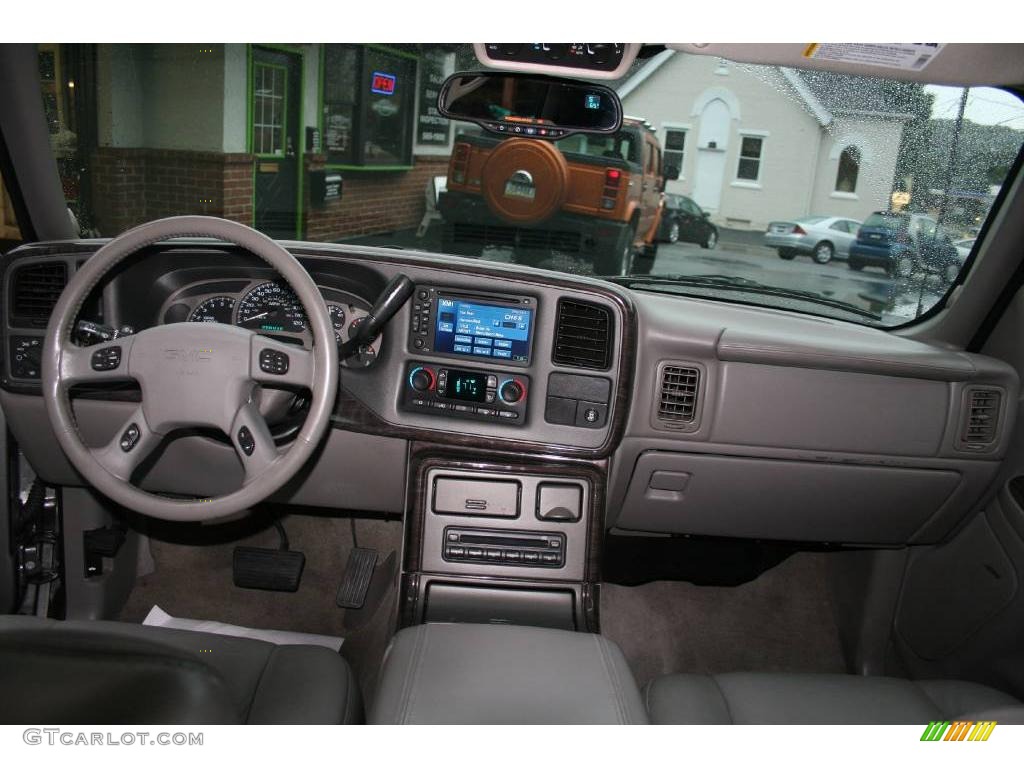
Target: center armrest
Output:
[(504, 674)]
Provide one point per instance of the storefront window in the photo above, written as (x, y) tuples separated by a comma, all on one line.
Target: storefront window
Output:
[(369, 95)]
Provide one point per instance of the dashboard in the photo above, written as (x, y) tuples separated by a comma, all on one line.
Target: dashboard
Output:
[(700, 417)]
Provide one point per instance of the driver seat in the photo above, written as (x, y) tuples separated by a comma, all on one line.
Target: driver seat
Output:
[(105, 672)]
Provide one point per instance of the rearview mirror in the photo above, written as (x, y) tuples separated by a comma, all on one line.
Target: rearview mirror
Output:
[(530, 105)]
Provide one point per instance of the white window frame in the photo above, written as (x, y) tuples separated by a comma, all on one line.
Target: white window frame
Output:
[(684, 128), (750, 183)]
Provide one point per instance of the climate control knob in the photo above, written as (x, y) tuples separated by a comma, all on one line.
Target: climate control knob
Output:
[(511, 391), (421, 379)]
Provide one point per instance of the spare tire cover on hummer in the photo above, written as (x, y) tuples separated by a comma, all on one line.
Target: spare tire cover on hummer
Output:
[(525, 181)]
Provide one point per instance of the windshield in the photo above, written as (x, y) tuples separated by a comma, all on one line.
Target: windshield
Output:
[(845, 196)]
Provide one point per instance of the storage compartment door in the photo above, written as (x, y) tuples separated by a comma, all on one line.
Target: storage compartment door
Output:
[(772, 499)]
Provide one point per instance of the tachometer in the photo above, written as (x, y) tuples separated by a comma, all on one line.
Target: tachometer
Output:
[(219, 309), (272, 306)]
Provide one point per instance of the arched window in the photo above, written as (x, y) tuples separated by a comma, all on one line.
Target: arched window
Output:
[(849, 169)]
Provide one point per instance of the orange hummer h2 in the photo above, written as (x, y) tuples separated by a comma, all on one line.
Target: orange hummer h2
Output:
[(593, 197)]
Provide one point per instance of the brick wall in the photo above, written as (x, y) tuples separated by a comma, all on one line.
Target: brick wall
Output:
[(131, 186), (372, 201)]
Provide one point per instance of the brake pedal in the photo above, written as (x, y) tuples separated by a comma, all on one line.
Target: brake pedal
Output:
[(276, 570), (358, 574)]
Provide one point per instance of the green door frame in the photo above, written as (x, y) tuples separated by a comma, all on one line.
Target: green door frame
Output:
[(300, 139)]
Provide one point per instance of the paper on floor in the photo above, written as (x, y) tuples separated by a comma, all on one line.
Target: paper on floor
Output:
[(159, 618)]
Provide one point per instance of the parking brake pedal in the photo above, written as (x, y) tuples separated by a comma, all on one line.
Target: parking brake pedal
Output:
[(277, 570), (358, 573)]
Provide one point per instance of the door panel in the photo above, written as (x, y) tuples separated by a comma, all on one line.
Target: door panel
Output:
[(961, 608), (276, 95)]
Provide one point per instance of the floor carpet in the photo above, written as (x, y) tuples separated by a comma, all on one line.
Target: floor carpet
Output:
[(781, 621), (193, 580)]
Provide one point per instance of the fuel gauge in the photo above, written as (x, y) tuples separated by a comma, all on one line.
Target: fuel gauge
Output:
[(338, 321)]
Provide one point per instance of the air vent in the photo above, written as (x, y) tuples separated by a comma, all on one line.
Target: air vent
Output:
[(981, 419), (35, 292), (583, 335), (680, 386)]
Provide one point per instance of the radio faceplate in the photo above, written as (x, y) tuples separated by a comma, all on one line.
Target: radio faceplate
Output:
[(473, 327), (483, 395)]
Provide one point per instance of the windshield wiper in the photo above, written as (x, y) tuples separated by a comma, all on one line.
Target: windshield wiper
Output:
[(743, 285)]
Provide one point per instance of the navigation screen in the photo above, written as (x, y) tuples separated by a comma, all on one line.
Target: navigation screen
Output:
[(482, 330)]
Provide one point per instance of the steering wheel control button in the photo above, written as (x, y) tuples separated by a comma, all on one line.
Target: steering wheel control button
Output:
[(246, 441), (106, 359), (130, 437), (274, 362)]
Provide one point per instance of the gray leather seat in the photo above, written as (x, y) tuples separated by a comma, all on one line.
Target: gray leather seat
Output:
[(502, 674), (819, 699), (102, 672)]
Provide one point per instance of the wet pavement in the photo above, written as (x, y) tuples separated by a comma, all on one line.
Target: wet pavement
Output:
[(740, 254), (896, 300)]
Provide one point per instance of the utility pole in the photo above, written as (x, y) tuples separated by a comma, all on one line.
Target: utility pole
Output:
[(954, 151)]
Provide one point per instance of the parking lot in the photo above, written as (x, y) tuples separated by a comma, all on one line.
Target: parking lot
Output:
[(896, 300), (740, 254)]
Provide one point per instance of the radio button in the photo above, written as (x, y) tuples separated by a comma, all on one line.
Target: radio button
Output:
[(531, 557), (549, 557), (513, 555)]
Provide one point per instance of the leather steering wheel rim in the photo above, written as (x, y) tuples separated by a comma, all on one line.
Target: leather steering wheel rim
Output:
[(200, 354)]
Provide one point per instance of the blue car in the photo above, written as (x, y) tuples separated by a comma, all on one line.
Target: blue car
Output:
[(902, 244)]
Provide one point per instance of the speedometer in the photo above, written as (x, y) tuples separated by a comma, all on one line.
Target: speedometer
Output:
[(216, 310), (271, 306)]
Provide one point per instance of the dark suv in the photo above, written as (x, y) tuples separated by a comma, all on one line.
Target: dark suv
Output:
[(902, 244)]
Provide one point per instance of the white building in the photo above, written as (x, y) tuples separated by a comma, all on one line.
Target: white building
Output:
[(756, 144)]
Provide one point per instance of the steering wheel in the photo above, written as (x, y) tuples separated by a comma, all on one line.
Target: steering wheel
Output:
[(191, 375)]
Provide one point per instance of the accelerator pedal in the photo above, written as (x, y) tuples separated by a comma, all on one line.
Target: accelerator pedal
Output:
[(358, 574), (276, 570)]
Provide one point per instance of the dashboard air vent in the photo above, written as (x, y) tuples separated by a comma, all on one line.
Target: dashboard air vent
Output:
[(680, 386), (982, 416), (35, 292), (583, 335)]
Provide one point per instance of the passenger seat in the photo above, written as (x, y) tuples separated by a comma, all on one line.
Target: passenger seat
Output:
[(744, 698)]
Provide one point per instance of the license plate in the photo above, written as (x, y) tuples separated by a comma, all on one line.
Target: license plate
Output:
[(518, 189)]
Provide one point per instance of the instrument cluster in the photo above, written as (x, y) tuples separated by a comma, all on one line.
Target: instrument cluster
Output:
[(271, 308)]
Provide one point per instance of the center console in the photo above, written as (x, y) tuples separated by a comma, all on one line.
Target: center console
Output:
[(503, 543)]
